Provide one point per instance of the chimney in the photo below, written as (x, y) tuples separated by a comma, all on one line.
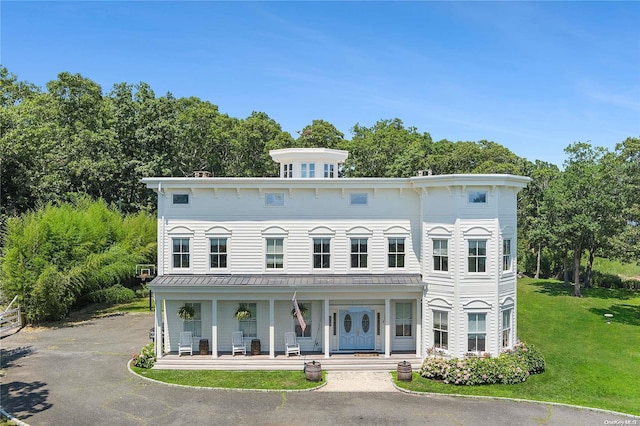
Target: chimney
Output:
[(202, 174)]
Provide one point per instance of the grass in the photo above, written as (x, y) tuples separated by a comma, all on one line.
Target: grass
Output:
[(267, 380), (625, 270), (588, 362)]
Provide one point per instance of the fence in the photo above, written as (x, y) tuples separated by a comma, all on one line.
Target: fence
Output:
[(10, 320)]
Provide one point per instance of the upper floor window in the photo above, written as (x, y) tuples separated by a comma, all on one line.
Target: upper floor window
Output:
[(312, 170), (218, 253), (329, 170), (275, 253), (321, 253), (396, 253), (303, 170), (477, 259), (194, 325), (358, 198), (477, 197), (274, 199), (477, 332), (403, 319), (180, 198), (506, 255), (358, 252), (180, 251), (441, 329), (308, 170), (440, 255), (288, 170)]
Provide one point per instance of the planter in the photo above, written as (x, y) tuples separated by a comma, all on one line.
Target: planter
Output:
[(405, 372), (255, 347), (313, 371)]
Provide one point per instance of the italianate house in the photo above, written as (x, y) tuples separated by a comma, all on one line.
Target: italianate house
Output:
[(380, 265)]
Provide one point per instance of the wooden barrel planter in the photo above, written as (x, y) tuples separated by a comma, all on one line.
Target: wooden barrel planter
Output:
[(405, 373), (255, 347), (313, 371)]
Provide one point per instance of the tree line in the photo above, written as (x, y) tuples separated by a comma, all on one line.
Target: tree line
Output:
[(72, 138)]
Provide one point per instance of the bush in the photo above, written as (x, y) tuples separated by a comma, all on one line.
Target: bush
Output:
[(112, 295), (510, 367), (146, 358)]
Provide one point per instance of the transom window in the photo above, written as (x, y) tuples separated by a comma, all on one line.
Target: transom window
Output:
[(322, 253), (477, 258), (441, 329), (275, 253), (180, 198), (249, 326), (358, 252), (194, 325), (358, 199), (477, 197), (396, 253), (440, 255), (506, 328), (217, 253), (274, 199), (180, 251), (477, 332), (403, 319), (506, 255)]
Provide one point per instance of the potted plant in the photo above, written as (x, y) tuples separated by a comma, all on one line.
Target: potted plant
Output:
[(186, 312), (303, 310), (243, 312)]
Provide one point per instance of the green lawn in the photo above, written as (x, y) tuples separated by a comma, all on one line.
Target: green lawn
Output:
[(588, 362), (606, 266)]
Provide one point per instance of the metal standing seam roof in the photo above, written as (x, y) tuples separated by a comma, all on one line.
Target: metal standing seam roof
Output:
[(285, 280)]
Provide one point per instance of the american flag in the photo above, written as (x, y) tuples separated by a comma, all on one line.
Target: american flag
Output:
[(303, 324)]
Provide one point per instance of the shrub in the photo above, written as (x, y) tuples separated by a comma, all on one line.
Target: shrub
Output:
[(114, 294), (146, 358), (510, 367)]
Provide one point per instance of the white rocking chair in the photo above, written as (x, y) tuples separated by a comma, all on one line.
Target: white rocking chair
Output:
[(237, 343), (290, 344), (186, 343)]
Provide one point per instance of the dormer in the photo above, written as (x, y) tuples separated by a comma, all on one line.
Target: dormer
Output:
[(309, 163)]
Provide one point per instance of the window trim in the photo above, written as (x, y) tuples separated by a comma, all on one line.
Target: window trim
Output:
[(397, 254), (321, 254), (180, 194), (507, 258), (181, 253), (476, 332), (440, 330), (225, 253), (503, 311), (477, 197), (403, 319), (359, 253), (274, 238), (477, 257), (433, 255)]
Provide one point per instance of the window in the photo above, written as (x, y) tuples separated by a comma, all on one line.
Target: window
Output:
[(275, 253), (180, 198), (249, 326), (321, 253), (288, 170), (305, 309), (274, 199), (403, 319), (506, 255), (477, 256), (358, 252), (358, 199), (328, 170), (217, 253), (303, 170), (440, 255), (477, 197), (506, 328), (194, 325), (308, 170), (180, 252), (477, 332), (396, 253), (441, 329), (312, 170)]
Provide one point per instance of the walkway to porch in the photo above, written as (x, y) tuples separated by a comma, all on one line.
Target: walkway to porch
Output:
[(336, 362)]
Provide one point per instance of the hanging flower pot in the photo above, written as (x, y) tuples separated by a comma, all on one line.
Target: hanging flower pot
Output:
[(243, 312), (186, 312), (303, 310)]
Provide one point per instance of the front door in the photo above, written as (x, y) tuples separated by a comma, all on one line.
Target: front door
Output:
[(356, 329)]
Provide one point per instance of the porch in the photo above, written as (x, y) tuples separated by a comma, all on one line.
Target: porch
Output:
[(336, 362)]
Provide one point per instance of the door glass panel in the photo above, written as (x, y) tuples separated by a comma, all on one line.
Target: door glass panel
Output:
[(365, 323), (347, 323)]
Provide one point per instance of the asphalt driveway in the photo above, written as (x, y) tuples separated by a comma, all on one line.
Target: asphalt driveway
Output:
[(78, 376)]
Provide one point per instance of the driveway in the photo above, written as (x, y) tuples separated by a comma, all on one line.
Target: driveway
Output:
[(78, 376)]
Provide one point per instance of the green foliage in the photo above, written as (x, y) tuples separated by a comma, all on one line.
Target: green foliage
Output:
[(57, 256), (146, 358), (112, 295), (511, 367)]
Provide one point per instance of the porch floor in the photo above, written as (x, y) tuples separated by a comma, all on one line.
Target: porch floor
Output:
[(336, 362)]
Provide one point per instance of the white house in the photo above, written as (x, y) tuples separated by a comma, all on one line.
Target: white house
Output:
[(381, 265)]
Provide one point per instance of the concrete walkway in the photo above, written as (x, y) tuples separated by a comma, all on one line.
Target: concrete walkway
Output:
[(358, 381)]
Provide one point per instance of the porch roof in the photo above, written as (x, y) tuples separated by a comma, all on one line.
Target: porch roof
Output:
[(264, 280)]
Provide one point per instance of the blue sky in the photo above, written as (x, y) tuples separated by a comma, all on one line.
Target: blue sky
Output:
[(532, 76)]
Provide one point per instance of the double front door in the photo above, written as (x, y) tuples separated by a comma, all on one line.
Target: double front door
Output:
[(357, 329)]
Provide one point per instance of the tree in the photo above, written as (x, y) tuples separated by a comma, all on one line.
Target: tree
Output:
[(320, 134)]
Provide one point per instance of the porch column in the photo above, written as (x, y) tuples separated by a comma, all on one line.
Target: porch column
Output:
[(387, 328), (158, 325), (418, 327), (272, 329), (327, 330), (214, 327)]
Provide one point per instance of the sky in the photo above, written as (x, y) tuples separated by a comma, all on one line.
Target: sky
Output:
[(532, 76)]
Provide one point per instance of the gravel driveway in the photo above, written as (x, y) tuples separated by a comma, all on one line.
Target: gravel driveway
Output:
[(78, 376)]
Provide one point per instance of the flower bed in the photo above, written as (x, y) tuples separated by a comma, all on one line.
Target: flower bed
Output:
[(512, 366), (146, 358)]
